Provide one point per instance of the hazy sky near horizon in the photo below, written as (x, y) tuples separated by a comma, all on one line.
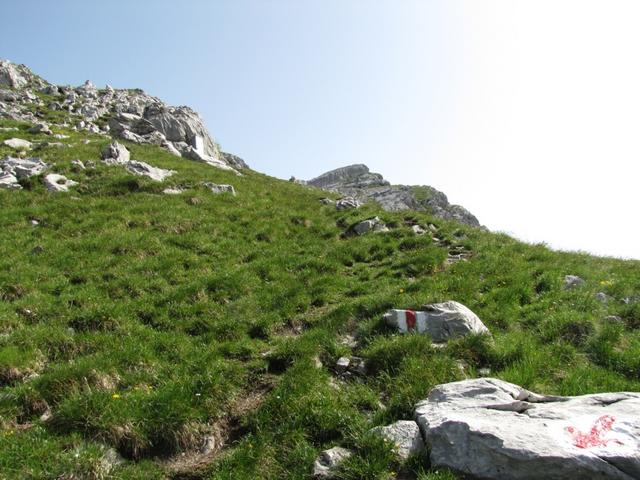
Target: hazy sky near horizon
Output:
[(525, 112)]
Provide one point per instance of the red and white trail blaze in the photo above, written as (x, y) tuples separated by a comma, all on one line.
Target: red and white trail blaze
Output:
[(595, 436), (410, 317)]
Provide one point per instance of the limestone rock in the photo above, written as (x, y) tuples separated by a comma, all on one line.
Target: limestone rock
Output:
[(358, 182), (234, 161), (490, 429), (10, 75), (370, 225), (23, 167), (571, 281), (329, 460), (115, 154), (172, 191), (9, 181), (215, 188), (602, 297), (347, 203), (58, 183), (405, 435), (442, 321), (18, 144), (142, 168), (41, 128), (418, 230)]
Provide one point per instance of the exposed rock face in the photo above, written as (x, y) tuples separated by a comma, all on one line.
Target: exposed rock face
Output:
[(115, 154), (405, 436), (128, 114), (18, 144), (571, 281), (490, 429), (357, 181), (347, 203), (370, 225), (14, 169), (216, 188), (442, 321)]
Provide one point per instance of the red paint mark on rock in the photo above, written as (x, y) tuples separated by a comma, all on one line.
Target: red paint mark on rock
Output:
[(595, 436), (410, 315)]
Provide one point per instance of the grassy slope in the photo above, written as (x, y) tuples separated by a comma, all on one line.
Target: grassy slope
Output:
[(152, 320)]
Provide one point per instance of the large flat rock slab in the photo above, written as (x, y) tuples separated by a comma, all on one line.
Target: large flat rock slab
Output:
[(491, 429)]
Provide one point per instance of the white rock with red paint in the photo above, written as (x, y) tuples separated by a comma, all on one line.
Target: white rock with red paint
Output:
[(490, 429), (440, 320)]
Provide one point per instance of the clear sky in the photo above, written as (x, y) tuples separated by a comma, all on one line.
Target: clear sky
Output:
[(526, 112)]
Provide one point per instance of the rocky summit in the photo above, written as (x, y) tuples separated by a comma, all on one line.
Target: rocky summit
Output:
[(129, 114), (358, 182)]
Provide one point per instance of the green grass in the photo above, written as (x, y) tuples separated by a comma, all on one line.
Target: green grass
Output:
[(144, 322)]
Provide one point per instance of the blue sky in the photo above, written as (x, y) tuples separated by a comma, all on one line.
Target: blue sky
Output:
[(524, 112)]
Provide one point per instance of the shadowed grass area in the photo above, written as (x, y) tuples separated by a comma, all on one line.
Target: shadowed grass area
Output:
[(147, 322)]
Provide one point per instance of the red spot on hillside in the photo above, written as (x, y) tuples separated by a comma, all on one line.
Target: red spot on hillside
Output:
[(410, 315), (595, 436)]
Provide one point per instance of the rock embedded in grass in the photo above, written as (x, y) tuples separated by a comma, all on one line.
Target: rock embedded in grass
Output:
[(347, 203), (405, 436), (58, 183), (115, 154), (442, 321), (491, 429), (144, 169), (329, 461), (222, 188), (18, 144), (571, 281), (370, 225)]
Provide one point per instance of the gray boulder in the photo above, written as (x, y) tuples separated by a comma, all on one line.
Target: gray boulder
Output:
[(58, 183), (18, 144), (41, 128), (11, 76), (442, 321), (23, 167), (490, 429), (234, 161), (222, 188), (405, 436), (571, 281), (115, 154), (347, 203), (370, 225), (144, 169), (329, 461), (9, 181)]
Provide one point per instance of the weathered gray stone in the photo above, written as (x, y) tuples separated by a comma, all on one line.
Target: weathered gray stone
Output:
[(613, 319), (216, 188), (342, 364), (491, 429), (602, 297), (370, 225), (347, 203), (172, 191), (41, 128), (418, 230), (10, 75), (442, 321), (9, 181), (58, 183), (329, 461), (78, 164), (142, 168), (23, 167), (115, 154), (18, 144), (234, 161), (406, 437), (571, 281)]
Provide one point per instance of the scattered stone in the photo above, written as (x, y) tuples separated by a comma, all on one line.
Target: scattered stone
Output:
[(142, 168), (172, 191), (371, 224), (347, 203), (329, 461), (631, 300), (18, 144), (418, 230), (234, 160), (168, 146), (60, 136), (220, 188), (442, 321), (23, 167), (613, 319), (34, 222), (484, 372), (58, 183), (110, 460), (602, 297), (9, 181), (487, 428), (10, 75), (327, 201), (41, 128), (78, 164), (571, 281), (358, 366), (342, 364), (115, 154), (9, 129), (406, 437)]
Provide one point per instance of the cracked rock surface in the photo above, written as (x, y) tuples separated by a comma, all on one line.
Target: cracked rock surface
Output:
[(491, 429)]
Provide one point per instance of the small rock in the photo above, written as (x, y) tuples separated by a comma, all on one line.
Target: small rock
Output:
[(329, 461), (613, 319), (406, 437), (358, 366), (34, 222), (371, 224), (342, 365), (347, 203), (110, 460), (418, 230), (215, 188), (78, 164), (18, 144), (142, 168), (115, 154), (602, 297), (58, 183), (571, 281), (172, 191), (327, 201), (41, 128)]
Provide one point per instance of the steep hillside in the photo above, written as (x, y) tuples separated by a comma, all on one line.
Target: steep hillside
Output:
[(162, 329)]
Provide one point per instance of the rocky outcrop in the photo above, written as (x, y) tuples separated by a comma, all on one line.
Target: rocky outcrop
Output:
[(329, 461), (15, 169), (130, 114), (358, 182), (490, 429), (405, 436), (146, 170), (58, 183), (442, 321)]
